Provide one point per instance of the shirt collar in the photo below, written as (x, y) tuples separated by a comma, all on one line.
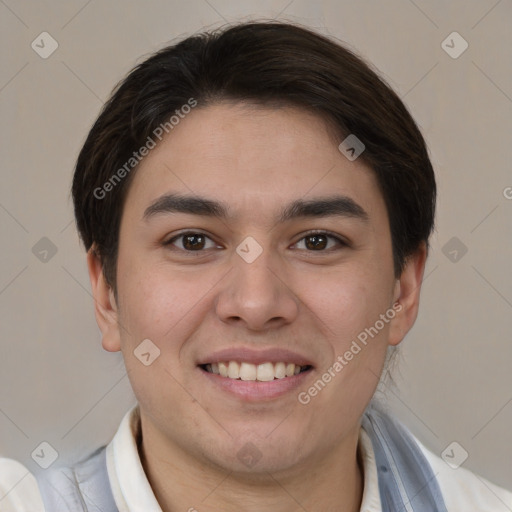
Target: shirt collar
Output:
[(132, 490), (371, 495), (130, 486)]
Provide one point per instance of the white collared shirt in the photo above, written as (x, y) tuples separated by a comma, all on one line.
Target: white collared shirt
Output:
[(462, 490), (18, 488)]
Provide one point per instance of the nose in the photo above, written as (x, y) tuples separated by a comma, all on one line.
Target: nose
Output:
[(257, 295)]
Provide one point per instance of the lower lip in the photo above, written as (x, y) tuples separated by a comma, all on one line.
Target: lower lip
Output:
[(252, 390)]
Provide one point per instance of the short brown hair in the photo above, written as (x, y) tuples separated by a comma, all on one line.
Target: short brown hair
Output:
[(268, 63)]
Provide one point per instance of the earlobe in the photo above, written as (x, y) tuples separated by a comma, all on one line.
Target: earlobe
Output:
[(105, 307), (407, 295)]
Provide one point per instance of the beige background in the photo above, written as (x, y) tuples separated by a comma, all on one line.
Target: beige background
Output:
[(455, 383)]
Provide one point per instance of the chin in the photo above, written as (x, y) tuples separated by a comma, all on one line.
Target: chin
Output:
[(253, 455)]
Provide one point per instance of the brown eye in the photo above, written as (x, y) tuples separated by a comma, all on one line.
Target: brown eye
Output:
[(315, 242), (191, 242), (320, 242)]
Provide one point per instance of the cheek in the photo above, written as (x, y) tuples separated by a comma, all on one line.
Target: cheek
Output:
[(163, 307), (347, 301), (149, 305), (161, 304)]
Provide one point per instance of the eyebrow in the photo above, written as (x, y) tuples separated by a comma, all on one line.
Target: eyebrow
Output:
[(339, 205)]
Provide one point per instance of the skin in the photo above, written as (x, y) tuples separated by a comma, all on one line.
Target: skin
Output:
[(314, 301)]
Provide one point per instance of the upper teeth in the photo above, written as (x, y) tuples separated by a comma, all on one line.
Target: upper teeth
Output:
[(249, 371)]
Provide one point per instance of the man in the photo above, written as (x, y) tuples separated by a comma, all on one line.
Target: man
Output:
[(256, 206)]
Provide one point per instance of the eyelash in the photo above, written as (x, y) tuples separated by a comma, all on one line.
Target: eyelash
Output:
[(341, 243)]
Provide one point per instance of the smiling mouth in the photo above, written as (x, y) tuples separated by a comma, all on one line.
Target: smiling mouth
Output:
[(264, 372)]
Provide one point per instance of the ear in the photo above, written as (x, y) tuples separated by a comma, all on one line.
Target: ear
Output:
[(105, 307), (407, 295)]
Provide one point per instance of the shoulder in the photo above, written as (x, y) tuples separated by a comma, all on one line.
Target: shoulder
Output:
[(19, 491), (459, 488), (464, 490)]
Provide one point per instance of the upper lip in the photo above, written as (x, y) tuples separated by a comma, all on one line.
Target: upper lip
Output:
[(249, 355)]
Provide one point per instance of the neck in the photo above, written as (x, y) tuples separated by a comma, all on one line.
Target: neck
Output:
[(181, 482)]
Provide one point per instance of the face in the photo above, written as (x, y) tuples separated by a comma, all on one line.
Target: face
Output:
[(282, 258)]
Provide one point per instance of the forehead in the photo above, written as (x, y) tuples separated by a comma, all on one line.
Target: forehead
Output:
[(252, 156)]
